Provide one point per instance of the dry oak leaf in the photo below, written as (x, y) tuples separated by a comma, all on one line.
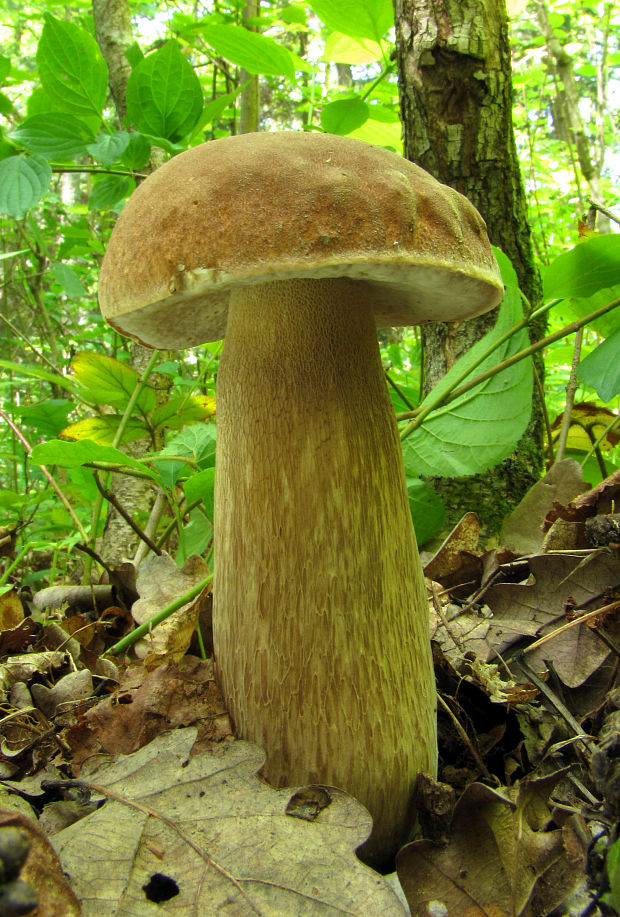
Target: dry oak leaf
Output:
[(42, 870), (497, 856), (538, 606), (216, 840), (160, 582)]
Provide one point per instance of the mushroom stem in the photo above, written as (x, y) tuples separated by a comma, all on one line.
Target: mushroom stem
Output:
[(320, 620)]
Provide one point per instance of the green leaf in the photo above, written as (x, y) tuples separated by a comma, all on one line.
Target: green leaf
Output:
[(104, 428), (293, 14), (109, 147), (357, 18), (342, 49), (196, 442), (186, 409), (200, 487), (344, 116), (37, 372), (72, 70), (612, 864), (255, 52), (193, 537), (164, 97), (5, 67), (85, 452), (68, 280), (104, 380), (427, 510), (601, 368), (54, 135), (482, 426), (216, 108), (137, 153), (48, 418), (23, 182), (109, 190), (592, 265)]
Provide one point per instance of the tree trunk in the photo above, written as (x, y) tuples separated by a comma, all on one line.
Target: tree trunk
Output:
[(114, 36), (456, 101)]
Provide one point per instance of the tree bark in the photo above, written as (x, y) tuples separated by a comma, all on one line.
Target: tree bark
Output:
[(456, 101), (114, 35)]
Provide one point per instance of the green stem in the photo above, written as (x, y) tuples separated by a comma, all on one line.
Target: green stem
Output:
[(145, 628), (420, 414)]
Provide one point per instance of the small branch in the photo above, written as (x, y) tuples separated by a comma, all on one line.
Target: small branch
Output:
[(601, 209), (47, 475), (109, 496), (571, 388)]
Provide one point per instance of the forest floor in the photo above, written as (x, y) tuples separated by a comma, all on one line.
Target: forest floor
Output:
[(122, 773)]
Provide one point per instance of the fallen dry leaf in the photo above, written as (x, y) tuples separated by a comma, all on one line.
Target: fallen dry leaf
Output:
[(204, 835), (42, 869), (558, 582), (160, 582), (148, 703), (522, 531), (497, 856)]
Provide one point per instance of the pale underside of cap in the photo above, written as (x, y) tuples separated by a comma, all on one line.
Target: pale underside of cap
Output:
[(266, 207)]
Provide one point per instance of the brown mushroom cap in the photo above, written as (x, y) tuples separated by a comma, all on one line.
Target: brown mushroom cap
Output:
[(279, 206)]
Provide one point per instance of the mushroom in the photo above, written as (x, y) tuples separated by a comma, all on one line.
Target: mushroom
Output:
[(296, 246)]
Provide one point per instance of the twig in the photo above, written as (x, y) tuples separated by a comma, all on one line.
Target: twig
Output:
[(608, 213), (474, 753), (46, 474), (109, 496)]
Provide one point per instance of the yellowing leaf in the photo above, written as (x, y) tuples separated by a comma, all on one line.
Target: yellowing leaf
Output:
[(103, 429)]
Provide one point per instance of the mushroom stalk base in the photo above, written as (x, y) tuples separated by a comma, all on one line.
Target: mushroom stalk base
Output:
[(320, 619)]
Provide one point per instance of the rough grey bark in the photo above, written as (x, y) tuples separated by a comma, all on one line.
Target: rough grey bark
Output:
[(249, 114), (114, 35), (456, 101), (112, 19)]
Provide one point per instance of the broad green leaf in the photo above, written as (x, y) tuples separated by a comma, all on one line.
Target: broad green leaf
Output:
[(103, 429), (72, 70), (607, 323), (294, 14), (104, 380), (23, 182), (137, 153), (85, 452), (194, 537), (108, 148), (4, 256), (37, 372), (216, 108), (47, 417), (592, 265), (134, 54), (482, 426), (54, 135), (357, 18), (342, 49), (5, 67), (6, 106), (601, 369), (427, 510), (177, 412), (197, 442), (68, 280), (381, 133), (509, 275), (109, 190), (164, 97), (344, 116), (612, 865), (200, 487), (255, 52)]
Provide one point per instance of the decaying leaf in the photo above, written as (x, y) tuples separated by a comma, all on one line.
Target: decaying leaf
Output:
[(498, 858), (558, 582), (160, 582), (42, 869), (209, 837), (522, 530)]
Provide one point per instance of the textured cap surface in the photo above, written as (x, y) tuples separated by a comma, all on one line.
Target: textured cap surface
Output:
[(277, 206)]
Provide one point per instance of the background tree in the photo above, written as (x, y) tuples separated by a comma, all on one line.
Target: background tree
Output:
[(456, 99)]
